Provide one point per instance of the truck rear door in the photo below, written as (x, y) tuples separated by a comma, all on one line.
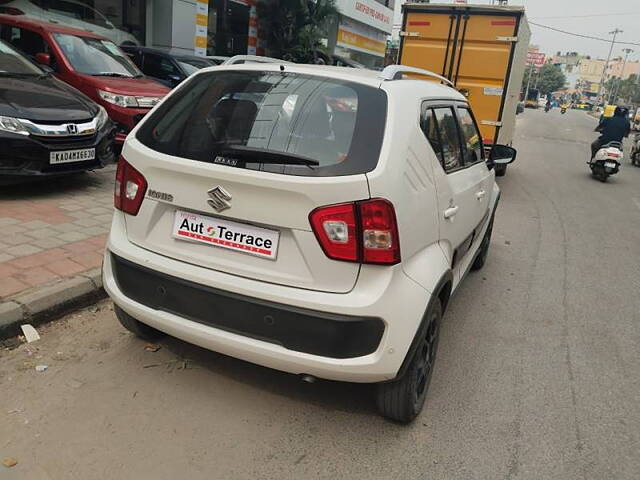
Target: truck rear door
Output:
[(474, 49)]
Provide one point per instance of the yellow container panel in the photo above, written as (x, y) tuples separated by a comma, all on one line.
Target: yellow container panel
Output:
[(426, 47), (474, 51), (482, 66)]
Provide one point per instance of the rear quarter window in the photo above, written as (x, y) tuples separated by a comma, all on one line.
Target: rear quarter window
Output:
[(338, 125)]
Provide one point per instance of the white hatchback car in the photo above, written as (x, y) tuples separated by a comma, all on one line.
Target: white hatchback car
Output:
[(311, 219)]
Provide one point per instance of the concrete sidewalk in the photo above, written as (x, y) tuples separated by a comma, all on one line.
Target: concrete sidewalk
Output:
[(52, 237)]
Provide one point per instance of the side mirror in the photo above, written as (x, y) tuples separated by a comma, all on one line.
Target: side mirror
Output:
[(502, 155), (43, 59)]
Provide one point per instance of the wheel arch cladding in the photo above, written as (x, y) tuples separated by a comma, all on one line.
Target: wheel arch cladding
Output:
[(442, 294)]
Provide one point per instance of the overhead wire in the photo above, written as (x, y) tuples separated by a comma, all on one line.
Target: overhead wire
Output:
[(590, 37), (588, 16)]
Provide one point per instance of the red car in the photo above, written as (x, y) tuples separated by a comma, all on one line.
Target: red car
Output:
[(91, 63)]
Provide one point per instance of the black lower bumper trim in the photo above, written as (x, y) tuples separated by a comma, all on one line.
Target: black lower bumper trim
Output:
[(301, 330)]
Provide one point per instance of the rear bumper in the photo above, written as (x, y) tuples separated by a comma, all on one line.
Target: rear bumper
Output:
[(360, 336), (297, 329)]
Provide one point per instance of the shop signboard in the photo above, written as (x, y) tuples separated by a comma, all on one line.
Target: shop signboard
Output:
[(202, 21), (359, 37), (535, 59), (368, 12)]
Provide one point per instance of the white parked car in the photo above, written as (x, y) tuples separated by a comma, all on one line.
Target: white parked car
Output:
[(311, 219), (70, 13)]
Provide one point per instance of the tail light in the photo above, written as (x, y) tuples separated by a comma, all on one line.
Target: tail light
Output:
[(130, 187), (365, 232)]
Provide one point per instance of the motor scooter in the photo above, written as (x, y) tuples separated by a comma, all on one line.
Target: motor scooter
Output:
[(607, 161), (635, 151)]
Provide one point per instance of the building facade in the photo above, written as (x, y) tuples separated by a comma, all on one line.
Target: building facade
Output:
[(618, 68), (362, 30), (569, 65), (210, 27)]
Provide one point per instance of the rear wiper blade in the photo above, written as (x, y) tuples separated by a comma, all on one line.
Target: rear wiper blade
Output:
[(260, 155)]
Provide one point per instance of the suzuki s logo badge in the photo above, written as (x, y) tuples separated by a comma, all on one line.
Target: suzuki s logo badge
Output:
[(72, 129), (219, 198)]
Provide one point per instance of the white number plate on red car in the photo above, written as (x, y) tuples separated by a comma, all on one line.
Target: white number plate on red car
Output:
[(69, 156), (240, 237)]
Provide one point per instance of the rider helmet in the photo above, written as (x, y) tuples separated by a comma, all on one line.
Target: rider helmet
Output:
[(621, 111)]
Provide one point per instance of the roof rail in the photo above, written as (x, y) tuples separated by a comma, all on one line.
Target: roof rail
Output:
[(394, 72), (252, 59)]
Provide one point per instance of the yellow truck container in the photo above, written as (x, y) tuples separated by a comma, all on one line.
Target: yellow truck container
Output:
[(482, 49)]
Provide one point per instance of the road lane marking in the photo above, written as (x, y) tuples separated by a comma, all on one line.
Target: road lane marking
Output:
[(636, 201)]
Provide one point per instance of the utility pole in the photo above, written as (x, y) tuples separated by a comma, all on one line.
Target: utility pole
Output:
[(606, 65), (526, 94), (627, 51)]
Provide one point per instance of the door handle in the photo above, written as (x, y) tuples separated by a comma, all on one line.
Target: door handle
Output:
[(451, 212), (481, 194)]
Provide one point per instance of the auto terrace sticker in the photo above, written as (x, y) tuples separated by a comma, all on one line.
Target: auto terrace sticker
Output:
[(240, 237)]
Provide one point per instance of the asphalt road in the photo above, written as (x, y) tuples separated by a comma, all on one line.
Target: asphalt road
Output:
[(538, 374)]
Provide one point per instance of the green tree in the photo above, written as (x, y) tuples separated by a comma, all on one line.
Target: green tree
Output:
[(295, 28), (625, 91), (548, 79), (551, 79)]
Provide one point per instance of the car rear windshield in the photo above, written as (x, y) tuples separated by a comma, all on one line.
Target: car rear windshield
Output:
[(272, 121)]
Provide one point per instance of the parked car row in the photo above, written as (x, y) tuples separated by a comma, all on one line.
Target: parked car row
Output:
[(70, 13), (46, 126), (69, 97)]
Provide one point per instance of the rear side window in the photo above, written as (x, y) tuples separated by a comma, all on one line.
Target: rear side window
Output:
[(471, 140), (334, 127), (449, 138), (430, 128)]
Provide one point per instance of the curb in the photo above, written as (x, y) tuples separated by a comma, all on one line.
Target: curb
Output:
[(47, 303)]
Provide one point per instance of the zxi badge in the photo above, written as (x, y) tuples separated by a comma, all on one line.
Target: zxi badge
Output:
[(219, 198)]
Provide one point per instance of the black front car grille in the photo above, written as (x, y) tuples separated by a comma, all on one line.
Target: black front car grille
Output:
[(301, 330), (71, 141)]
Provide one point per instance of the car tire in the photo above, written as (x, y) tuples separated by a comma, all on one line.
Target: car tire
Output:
[(402, 400), (483, 251), (136, 327), (501, 171)]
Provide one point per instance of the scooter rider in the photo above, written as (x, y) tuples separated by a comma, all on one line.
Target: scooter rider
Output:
[(613, 129)]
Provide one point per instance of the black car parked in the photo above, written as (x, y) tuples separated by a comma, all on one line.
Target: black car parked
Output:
[(165, 68), (46, 126)]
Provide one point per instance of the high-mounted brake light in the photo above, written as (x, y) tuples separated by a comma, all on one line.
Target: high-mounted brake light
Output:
[(365, 232), (129, 189)]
